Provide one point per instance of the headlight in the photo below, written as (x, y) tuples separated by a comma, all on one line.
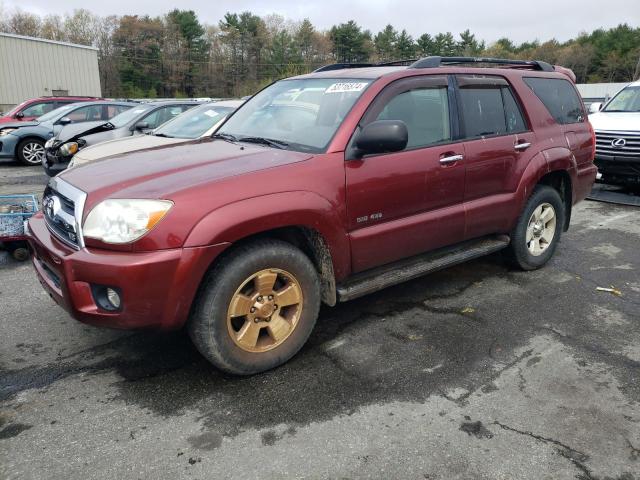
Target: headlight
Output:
[(6, 131), (124, 221), (68, 149), (50, 142)]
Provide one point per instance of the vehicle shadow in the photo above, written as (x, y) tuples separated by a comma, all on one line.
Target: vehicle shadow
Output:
[(403, 343)]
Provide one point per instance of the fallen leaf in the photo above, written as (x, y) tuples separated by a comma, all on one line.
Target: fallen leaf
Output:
[(467, 310)]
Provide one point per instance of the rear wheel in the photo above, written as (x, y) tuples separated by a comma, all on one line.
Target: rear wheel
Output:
[(537, 233), (256, 308), (30, 151)]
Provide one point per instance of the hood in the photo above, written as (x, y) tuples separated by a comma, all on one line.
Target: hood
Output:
[(616, 121), (19, 124), (104, 135), (120, 146), (162, 171), (73, 131)]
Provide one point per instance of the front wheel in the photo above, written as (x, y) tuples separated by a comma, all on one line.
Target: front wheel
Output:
[(256, 308), (30, 151), (535, 237)]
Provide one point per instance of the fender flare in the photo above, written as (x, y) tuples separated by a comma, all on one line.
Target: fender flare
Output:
[(238, 220), (544, 162)]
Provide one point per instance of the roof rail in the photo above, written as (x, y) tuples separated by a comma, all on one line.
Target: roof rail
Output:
[(340, 66), (434, 61)]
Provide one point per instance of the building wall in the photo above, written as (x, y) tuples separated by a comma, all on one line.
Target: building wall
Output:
[(31, 67), (599, 90)]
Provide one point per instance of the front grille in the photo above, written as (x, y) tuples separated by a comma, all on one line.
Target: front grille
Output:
[(628, 144), (60, 204)]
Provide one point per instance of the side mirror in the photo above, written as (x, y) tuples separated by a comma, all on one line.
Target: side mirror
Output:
[(64, 121), (141, 126), (382, 136), (595, 107), (19, 115)]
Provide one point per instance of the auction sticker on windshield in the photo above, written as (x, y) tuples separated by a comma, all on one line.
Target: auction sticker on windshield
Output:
[(346, 87)]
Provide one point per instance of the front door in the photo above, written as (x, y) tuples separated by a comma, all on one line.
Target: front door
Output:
[(404, 203)]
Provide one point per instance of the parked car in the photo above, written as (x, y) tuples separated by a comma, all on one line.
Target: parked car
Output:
[(36, 107), (617, 127), (392, 173), (198, 122), (128, 125), (25, 141)]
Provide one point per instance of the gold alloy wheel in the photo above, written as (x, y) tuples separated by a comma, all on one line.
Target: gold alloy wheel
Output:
[(541, 229), (265, 310)]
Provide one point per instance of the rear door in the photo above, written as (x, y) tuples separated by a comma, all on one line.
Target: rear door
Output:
[(497, 145), (404, 203)]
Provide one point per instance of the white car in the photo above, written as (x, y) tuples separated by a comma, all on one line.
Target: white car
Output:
[(617, 128), (198, 122)]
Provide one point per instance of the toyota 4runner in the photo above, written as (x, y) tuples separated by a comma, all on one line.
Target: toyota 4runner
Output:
[(320, 188)]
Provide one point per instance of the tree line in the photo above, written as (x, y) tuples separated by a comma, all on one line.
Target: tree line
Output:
[(177, 55)]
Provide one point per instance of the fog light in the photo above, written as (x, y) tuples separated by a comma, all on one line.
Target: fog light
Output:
[(113, 297)]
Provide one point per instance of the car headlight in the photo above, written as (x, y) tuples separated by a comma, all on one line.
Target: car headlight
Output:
[(124, 221), (68, 149), (6, 131)]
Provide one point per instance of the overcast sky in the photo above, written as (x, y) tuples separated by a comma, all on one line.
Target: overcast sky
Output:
[(488, 19)]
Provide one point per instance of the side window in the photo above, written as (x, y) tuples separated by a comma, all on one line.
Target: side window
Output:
[(425, 111), (512, 113), (86, 114), (113, 110), (560, 98), (488, 108), (38, 109)]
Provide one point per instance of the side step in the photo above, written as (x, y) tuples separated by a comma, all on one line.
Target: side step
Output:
[(407, 269)]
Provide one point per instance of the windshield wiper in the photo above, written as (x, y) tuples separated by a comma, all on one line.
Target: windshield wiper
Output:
[(265, 141), (162, 135), (225, 136), (620, 110), (109, 125)]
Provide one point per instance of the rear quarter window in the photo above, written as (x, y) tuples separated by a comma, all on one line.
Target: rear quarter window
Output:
[(559, 97)]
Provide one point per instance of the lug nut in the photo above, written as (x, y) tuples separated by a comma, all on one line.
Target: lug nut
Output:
[(253, 309), (270, 297), (260, 298)]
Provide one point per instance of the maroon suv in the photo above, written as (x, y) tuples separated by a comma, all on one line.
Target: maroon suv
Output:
[(320, 188)]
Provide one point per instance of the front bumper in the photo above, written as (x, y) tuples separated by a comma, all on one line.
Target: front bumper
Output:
[(619, 169), (157, 288), (8, 144), (54, 164)]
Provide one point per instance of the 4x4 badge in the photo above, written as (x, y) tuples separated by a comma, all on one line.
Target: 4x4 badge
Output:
[(618, 142)]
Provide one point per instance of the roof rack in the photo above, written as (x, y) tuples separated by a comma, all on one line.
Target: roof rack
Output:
[(434, 61), (340, 66)]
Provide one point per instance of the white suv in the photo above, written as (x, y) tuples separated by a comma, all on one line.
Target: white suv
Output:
[(617, 127)]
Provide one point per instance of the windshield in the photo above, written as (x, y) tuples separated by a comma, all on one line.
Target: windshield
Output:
[(123, 119), (627, 100), (194, 122), (301, 114), (53, 114)]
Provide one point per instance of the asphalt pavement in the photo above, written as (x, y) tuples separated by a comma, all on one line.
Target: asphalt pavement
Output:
[(480, 371)]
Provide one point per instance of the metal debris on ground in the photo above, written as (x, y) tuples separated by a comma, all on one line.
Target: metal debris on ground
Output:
[(611, 290)]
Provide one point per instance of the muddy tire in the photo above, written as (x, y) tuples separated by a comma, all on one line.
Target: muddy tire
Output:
[(256, 308), (536, 235)]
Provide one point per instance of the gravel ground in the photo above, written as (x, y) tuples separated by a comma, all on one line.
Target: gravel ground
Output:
[(476, 372)]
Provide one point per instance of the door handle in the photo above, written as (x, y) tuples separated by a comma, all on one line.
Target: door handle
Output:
[(522, 146), (451, 159)]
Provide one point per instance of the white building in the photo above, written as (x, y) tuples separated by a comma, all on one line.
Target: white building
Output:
[(34, 67)]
